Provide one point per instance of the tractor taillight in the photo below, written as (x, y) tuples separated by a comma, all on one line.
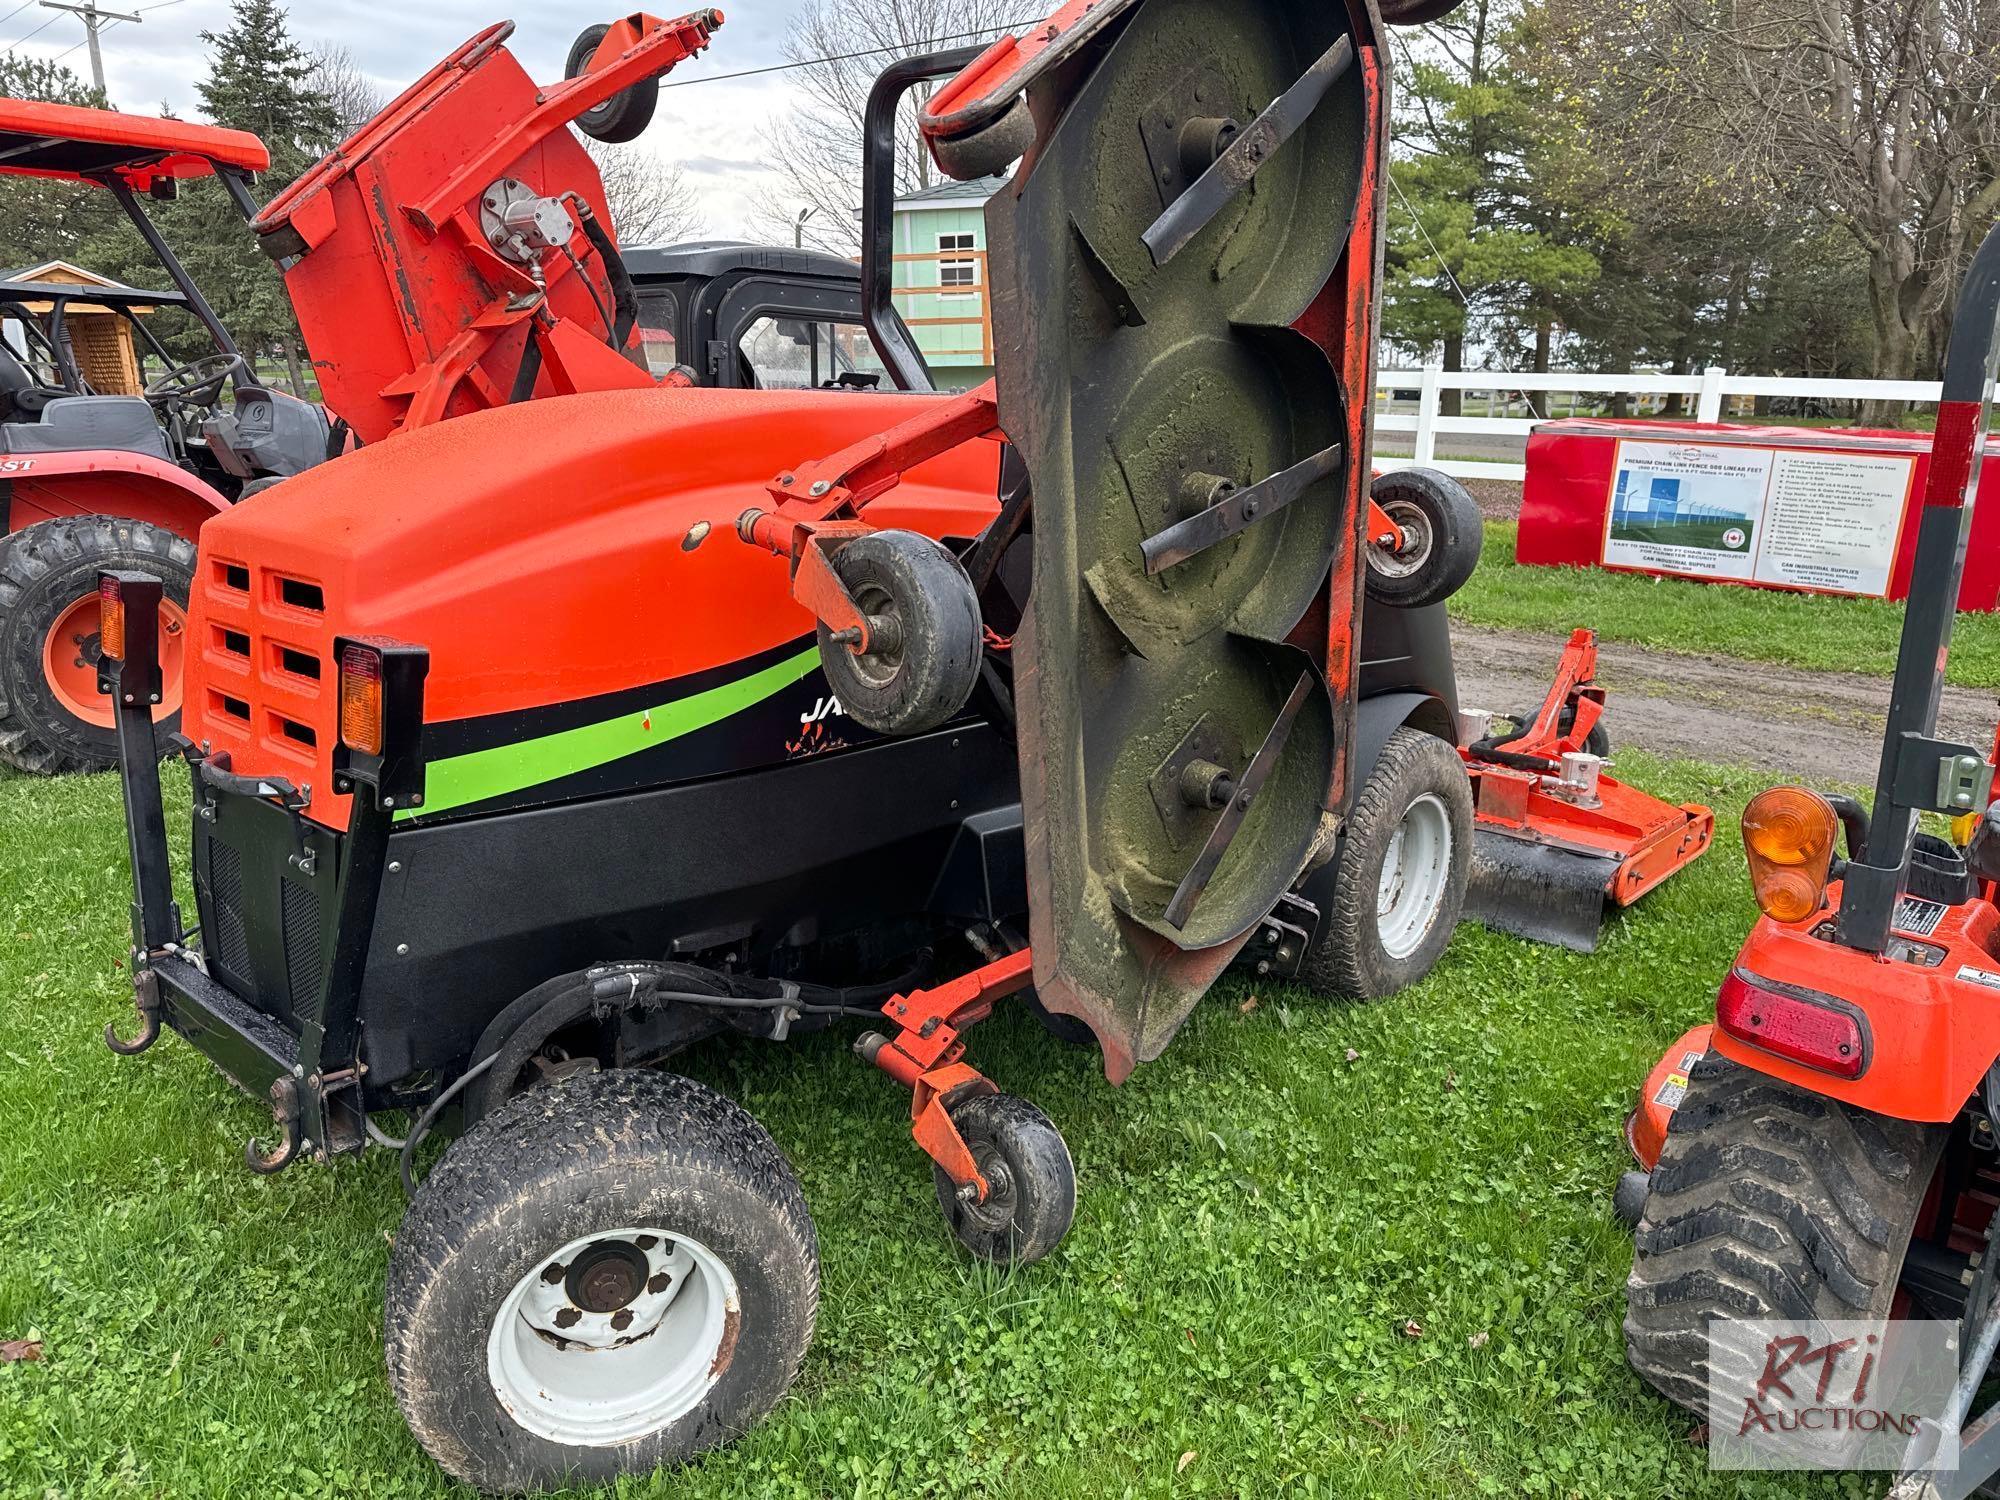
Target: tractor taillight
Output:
[(361, 699), (1788, 834), (111, 617), (1800, 1026)]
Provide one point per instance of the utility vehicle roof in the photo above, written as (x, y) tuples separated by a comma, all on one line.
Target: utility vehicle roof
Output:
[(708, 258), (70, 142)]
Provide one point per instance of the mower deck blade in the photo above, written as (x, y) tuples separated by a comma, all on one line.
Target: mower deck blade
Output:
[(1534, 891)]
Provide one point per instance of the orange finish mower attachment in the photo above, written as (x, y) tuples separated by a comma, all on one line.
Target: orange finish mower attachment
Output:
[(1561, 841), (1832, 1152)]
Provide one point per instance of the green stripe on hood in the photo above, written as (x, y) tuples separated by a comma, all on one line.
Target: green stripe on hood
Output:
[(485, 774)]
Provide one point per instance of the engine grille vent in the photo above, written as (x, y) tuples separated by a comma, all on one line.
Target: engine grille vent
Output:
[(304, 965), (225, 876)]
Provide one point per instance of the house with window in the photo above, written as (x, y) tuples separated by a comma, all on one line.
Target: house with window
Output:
[(942, 289)]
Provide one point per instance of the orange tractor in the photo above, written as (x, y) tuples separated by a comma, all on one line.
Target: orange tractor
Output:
[(1826, 1149)]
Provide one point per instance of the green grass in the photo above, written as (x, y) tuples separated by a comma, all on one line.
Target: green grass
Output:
[(1813, 631), (1262, 1212)]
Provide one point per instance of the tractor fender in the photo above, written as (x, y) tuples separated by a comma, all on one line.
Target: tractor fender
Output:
[(38, 487), (1377, 718)]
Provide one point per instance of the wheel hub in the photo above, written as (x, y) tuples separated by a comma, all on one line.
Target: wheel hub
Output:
[(1415, 549), (1416, 870), (613, 1337)]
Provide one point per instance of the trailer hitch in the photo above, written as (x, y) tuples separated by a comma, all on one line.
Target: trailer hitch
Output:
[(146, 1000), (285, 1113)]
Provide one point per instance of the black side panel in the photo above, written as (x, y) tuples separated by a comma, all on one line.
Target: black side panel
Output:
[(475, 913), (1407, 651)]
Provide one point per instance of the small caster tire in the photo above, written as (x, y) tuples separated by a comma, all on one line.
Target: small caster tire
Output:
[(990, 150), (926, 643), (1028, 1169), (626, 114), (1446, 534)]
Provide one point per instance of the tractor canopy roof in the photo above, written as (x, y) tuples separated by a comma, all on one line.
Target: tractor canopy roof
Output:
[(34, 293), (77, 144), (711, 258)]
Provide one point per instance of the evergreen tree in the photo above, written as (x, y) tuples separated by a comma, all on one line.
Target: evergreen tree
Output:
[(262, 81), (43, 221)]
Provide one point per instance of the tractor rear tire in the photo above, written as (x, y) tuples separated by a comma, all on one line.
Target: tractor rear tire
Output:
[(919, 672), (46, 571), (1391, 896), (563, 1209), (626, 114), (1769, 1201)]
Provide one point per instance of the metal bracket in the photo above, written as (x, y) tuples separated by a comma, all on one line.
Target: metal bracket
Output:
[(1246, 155), (1940, 776), (1181, 909), (1236, 512)]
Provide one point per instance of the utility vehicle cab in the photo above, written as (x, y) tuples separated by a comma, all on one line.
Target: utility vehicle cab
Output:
[(755, 317)]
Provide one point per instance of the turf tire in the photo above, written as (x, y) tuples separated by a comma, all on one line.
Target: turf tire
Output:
[(1769, 1201), (44, 569), (599, 1152), (1347, 958)]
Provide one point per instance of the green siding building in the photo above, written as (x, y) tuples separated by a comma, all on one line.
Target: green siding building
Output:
[(941, 281)]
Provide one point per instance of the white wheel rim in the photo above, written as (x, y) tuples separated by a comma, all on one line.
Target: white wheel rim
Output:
[(1415, 873), (597, 1378)]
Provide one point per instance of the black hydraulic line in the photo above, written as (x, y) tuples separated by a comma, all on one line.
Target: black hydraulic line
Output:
[(424, 1121), (893, 344), (529, 372), (624, 293)]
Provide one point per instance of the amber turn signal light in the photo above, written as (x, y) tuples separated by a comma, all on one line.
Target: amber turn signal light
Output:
[(111, 618), (1788, 833), (361, 699)]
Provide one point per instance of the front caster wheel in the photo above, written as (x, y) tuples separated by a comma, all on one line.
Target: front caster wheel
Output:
[(602, 1277), (1442, 537), (925, 638), (1032, 1182)]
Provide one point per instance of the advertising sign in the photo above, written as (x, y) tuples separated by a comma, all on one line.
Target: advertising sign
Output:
[(1789, 517)]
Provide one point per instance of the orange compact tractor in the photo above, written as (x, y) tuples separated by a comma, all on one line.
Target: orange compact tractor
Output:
[(1826, 1149), (94, 478), (530, 747)]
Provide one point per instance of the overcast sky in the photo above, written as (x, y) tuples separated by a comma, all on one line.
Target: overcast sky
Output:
[(713, 129)]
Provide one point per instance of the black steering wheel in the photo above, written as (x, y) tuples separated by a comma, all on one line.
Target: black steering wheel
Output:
[(198, 382)]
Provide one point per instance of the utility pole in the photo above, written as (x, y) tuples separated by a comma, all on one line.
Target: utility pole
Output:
[(92, 24)]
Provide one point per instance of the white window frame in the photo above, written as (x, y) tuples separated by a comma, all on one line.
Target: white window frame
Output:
[(953, 245)]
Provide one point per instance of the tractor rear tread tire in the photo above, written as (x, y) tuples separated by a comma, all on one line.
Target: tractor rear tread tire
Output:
[(1769, 1201), (44, 569), (593, 1154), (1347, 959)]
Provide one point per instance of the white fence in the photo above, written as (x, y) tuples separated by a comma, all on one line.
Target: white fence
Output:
[(1711, 388)]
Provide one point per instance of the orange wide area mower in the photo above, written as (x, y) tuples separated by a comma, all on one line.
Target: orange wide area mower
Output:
[(1826, 1149), (543, 739)]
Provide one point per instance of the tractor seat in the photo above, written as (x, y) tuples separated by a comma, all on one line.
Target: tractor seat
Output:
[(71, 424), (22, 397)]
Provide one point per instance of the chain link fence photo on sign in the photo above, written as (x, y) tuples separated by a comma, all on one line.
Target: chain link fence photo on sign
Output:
[(1831, 1395)]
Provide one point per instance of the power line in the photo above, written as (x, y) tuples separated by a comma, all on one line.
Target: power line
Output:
[(814, 62), (35, 33), (15, 11), (1443, 264)]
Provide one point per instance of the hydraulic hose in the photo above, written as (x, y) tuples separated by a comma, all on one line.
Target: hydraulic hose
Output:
[(624, 295)]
